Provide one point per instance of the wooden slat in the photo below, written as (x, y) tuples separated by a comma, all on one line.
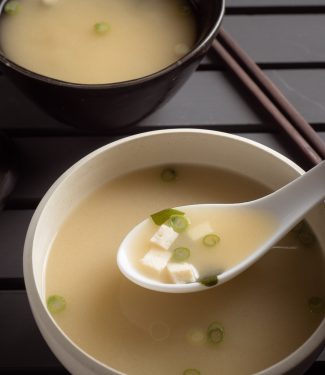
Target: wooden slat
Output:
[(273, 3), (42, 164), (13, 228), (209, 98), (43, 160), (280, 38)]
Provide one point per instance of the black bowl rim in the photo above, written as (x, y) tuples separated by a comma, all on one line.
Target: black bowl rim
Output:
[(56, 82)]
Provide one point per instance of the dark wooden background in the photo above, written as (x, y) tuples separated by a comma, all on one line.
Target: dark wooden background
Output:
[(285, 37)]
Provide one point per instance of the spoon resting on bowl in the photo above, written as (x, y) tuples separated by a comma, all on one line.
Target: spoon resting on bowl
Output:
[(272, 217)]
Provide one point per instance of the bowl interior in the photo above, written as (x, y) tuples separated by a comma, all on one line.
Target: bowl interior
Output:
[(140, 151)]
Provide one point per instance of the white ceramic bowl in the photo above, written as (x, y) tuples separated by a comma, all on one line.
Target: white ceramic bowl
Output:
[(153, 148)]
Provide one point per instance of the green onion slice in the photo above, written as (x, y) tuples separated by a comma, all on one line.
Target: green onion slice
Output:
[(215, 333), (168, 174), (209, 280), (178, 222), (56, 304), (316, 304), (101, 27), (191, 371), (180, 254), (161, 217), (12, 7), (211, 239)]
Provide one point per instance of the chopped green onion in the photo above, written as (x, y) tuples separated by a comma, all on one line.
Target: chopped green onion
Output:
[(209, 280), (211, 239), (12, 7), (316, 305), (56, 304), (215, 333), (168, 174), (180, 254), (191, 371), (178, 222), (161, 217), (101, 27)]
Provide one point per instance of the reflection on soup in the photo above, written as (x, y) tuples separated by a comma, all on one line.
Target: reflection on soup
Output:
[(241, 327), (96, 41)]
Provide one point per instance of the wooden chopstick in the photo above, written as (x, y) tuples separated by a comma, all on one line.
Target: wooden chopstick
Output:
[(270, 97)]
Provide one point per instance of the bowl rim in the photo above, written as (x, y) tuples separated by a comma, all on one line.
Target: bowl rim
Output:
[(36, 302), (93, 86)]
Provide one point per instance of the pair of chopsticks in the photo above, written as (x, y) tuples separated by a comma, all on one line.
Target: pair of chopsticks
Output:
[(270, 97)]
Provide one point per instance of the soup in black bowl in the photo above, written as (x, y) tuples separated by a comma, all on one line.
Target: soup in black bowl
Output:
[(104, 63)]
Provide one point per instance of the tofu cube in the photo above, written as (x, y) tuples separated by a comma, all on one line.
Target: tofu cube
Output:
[(156, 259), (199, 231), (181, 273), (164, 237)]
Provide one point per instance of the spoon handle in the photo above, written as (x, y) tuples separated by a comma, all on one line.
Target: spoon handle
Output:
[(291, 203)]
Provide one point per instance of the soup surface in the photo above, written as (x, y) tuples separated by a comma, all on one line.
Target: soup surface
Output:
[(97, 41), (199, 243), (240, 327)]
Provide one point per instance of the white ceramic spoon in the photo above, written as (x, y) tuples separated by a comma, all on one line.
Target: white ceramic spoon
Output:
[(288, 205)]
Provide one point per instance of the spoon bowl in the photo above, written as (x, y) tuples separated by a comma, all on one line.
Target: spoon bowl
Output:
[(284, 207)]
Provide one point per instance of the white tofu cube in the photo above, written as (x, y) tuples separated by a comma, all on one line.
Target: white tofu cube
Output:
[(156, 259), (164, 237), (199, 231), (182, 273)]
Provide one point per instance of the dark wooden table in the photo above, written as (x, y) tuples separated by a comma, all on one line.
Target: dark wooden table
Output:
[(285, 37)]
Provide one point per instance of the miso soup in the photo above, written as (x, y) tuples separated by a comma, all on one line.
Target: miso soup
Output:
[(197, 244), (240, 327), (96, 41)]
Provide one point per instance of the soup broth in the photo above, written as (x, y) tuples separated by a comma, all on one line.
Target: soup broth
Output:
[(97, 41), (257, 319)]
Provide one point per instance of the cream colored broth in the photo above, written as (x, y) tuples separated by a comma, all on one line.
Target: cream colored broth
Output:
[(264, 311), (60, 41), (241, 232)]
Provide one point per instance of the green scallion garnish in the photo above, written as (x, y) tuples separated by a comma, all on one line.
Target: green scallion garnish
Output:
[(211, 239), (180, 254), (101, 27), (209, 280), (12, 7), (191, 371), (56, 304), (178, 222), (161, 217), (168, 174), (215, 333), (316, 305)]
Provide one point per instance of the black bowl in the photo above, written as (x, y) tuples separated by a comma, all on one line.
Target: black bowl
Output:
[(110, 106)]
